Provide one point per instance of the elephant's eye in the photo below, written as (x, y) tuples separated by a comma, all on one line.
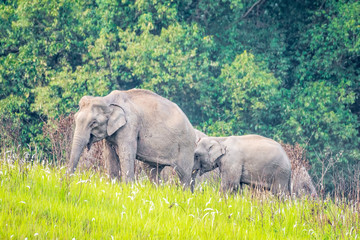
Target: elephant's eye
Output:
[(93, 124)]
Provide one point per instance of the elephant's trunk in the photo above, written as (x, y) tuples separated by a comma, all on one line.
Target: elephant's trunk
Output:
[(78, 145)]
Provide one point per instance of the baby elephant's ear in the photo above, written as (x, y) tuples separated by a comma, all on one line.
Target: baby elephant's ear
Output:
[(216, 151), (116, 120)]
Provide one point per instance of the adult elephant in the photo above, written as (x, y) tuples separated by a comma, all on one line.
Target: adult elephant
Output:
[(136, 124), (249, 159), (155, 173)]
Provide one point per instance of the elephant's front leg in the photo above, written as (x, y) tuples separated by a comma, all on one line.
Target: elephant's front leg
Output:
[(112, 160), (127, 155), (184, 168), (230, 178)]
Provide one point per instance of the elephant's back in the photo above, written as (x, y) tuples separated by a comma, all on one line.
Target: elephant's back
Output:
[(259, 148), (257, 138), (165, 130), (151, 98), (257, 142), (158, 109), (143, 97)]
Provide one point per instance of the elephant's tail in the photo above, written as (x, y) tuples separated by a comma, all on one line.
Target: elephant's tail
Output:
[(289, 184)]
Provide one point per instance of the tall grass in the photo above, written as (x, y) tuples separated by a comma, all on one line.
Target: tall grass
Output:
[(40, 202)]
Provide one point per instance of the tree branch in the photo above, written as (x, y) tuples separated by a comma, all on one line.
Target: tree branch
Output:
[(8, 51), (252, 7)]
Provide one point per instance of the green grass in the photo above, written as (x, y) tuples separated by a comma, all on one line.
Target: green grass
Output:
[(38, 202)]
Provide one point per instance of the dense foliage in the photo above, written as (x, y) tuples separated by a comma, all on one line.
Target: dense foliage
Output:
[(284, 69)]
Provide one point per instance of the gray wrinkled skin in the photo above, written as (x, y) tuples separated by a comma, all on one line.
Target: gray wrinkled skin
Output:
[(154, 175), (136, 124), (250, 159)]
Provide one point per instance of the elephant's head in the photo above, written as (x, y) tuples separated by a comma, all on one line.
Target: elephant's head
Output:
[(207, 155), (96, 119)]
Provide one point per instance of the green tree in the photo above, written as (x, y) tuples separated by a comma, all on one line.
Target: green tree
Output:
[(325, 105), (38, 39), (286, 69), (246, 100), (173, 64)]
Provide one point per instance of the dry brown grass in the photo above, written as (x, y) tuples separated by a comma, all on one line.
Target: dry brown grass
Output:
[(301, 181), (60, 132)]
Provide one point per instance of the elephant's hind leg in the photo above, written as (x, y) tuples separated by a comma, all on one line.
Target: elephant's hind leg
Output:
[(184, 176), (280, 187), (153, 172), (184, 166)]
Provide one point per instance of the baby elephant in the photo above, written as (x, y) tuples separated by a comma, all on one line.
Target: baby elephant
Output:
[(249, 159)]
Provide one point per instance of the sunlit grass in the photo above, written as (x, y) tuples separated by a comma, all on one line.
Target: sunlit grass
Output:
[(39, 202)]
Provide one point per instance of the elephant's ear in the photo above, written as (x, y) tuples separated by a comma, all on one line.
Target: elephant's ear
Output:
[(116, 120), (216, 151)]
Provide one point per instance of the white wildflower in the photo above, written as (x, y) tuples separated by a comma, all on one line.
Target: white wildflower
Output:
[(46, 170), (36, 234), (81, 181), (205, 215), (135, 192), (212, 222), (208, 202), (151, 208)]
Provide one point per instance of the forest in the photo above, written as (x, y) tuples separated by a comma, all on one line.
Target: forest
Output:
[(287, 70)]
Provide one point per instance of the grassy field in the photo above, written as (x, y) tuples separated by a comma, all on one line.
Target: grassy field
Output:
[(38, 202)]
